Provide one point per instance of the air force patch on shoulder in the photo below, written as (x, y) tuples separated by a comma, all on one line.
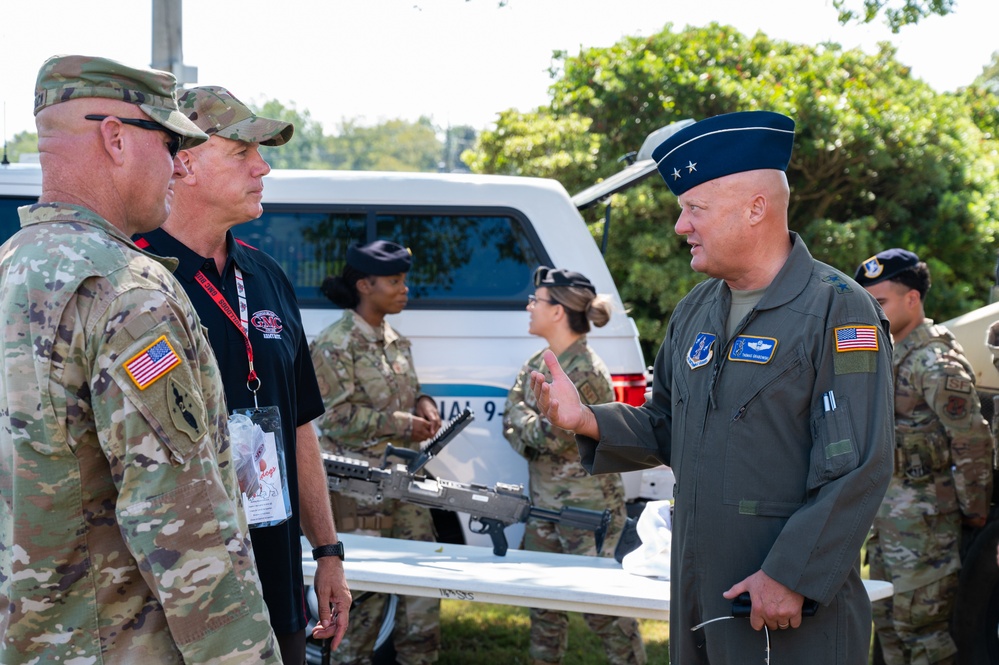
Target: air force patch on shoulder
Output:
[(700, 353), (750, 349)]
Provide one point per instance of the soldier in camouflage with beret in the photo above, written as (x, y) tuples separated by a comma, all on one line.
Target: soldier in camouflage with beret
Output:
[(943, 468), (372, 397), (122, 537), (561, 309)]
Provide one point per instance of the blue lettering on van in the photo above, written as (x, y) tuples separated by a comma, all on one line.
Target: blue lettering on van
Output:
[(452, 398)]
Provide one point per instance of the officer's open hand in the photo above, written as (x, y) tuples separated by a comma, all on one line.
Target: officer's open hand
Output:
[(559, 401)]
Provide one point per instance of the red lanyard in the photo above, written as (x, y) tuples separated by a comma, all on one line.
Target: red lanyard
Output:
[(241, 322)]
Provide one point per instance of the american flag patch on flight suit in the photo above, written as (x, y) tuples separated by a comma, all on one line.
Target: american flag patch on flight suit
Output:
[(856, 338)]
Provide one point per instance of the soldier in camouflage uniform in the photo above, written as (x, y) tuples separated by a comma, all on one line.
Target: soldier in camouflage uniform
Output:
[(372, 397), (943, 468), (561, 310), (122, 537)]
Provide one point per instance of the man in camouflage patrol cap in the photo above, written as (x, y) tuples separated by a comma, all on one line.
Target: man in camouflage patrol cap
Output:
[(943, 468), (222, 276), (123, 537)]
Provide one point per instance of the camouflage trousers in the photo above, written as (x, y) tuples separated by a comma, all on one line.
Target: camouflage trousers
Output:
[(913, 625), (550, 628), (416, 634)]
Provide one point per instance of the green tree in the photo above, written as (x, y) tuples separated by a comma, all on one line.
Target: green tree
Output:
[(897, 13), (880, 159), (457, 140), (306, 149), (23, 143), (394, 145), (539, 144), (989, 78)]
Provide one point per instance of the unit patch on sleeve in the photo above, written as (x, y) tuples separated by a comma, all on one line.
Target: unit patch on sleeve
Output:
[(700, 353), (958, 384), (750, 349), (588, 393), (856, 338), (152, 362)]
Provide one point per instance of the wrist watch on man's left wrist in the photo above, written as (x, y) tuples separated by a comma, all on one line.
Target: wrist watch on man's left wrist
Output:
[(336, 549)]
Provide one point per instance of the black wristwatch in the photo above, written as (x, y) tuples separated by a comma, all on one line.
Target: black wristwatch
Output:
[(336, 549)]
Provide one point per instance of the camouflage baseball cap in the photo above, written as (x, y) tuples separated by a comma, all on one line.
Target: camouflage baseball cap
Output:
[(65, 77), (217, 111)]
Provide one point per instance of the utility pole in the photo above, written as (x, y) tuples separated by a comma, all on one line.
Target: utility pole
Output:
[(168, 41)]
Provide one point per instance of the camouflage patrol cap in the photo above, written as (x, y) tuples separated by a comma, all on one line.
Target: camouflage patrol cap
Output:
[(219, 113), (65, 77), (549, 277)]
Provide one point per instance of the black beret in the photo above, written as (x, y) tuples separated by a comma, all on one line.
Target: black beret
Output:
[(379, 258), (723, 145), (548, 277), (885, 265)]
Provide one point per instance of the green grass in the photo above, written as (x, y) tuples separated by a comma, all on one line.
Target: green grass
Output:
[(485, 633)]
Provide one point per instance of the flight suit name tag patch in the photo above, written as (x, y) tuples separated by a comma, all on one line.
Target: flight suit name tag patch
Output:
[(752, 349), (700, 353)]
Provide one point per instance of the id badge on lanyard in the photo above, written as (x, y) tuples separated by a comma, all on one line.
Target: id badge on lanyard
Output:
[(255, 433), (261, 444)]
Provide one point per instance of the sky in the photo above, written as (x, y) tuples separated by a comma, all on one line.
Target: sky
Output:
[(459, 62)]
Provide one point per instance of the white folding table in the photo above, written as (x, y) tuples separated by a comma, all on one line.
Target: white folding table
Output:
[(530, 579)]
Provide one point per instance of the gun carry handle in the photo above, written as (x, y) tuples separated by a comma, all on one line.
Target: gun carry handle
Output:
[(496, 532), (401, 453)]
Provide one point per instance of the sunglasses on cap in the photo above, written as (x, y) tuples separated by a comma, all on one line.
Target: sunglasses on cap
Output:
[(173, 146), (545, 276)]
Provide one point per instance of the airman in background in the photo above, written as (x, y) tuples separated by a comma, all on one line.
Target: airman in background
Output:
[(943, 468)]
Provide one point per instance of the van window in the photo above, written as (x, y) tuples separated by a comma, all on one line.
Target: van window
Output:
[(10, 222), (461, 260)]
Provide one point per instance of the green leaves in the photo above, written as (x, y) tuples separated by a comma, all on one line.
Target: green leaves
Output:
[(880, 158)]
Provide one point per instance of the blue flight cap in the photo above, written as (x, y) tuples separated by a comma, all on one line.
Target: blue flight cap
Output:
[(723, 145), (379, 258), (885, 265)]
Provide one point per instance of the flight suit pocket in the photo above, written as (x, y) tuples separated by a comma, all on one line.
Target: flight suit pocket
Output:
[(834, 448), (679, 413)]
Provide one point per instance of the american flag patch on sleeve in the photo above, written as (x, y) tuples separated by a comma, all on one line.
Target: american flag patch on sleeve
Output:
[(856, 338), (152, 362)]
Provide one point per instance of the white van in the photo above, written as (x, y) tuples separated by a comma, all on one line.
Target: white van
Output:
[(476, 241)]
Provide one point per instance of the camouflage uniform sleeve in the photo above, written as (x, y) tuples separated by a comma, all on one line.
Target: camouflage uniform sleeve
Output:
[(949, 390), (347, 418), (523, 426), (160, 416)]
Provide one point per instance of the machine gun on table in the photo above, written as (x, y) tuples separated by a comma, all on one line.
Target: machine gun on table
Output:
[(490, 509)]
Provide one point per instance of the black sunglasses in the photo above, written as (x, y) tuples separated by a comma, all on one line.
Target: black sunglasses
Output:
[(173, 146), (540, 273)]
